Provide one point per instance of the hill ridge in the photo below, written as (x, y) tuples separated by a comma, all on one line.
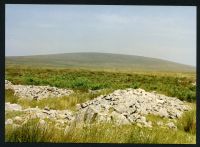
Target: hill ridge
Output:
[(99, 60)]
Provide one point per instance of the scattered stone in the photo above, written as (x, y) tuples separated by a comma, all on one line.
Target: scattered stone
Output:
[(18, 119), (9, 122), (119, 119), (171, 125), (37, 92), (42, 122), (8, 84), (129, 106), (194, 83), (160, 123), (12, 107)]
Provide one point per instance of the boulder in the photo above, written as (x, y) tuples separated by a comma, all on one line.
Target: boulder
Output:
[(12, 107)]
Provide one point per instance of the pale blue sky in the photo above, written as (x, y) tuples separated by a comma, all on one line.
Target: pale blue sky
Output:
[(165, 32)]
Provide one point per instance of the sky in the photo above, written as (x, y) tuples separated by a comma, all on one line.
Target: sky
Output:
[(164, 32)]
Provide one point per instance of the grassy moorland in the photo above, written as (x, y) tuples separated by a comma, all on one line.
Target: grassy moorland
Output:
[(99, 61), (172, 84), (176, 84)]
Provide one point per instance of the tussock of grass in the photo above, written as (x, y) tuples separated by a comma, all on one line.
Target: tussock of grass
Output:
[(187, 122), (29, 132), (97, 133), (9, 96), (11, 114)]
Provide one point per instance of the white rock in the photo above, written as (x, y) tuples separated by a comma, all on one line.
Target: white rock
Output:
[(42, 122), (171, 125), (9, 122), (18, 119), (12, 107)]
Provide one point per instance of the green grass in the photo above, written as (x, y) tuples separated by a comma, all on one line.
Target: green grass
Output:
[(187, 122), (171, 84), (11, 114), (29, 132), (9, 96), (97, 133)]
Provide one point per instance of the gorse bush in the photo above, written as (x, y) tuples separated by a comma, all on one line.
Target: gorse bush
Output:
[(81, 83)]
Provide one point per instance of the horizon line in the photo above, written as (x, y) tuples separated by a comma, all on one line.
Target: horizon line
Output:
[(101, 53)]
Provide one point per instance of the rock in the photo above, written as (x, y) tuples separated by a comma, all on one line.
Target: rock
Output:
[(18, 119), (38, 92), (40, 115), (139, 125), (194, 83), (141, 120), (78, 106), (121, 108), (103, 118), (8, 85), (42, 122), (128, 106), (79, 117), (132, 105), (47, 108), (160, 123), (171, 125), (90, 114), (9, 122), (148, 124), (163, 112), (83, 105), (12, 107), (119, 119)]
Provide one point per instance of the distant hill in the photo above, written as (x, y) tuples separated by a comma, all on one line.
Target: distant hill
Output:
[(99, 60)]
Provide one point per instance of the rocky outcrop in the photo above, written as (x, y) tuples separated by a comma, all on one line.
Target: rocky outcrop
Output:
[(122, 107), (129, 107), (60, 117), (37, 92), (12, 107)]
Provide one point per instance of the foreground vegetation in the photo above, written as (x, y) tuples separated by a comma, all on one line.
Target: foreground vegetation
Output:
[(172, 84), (105, 133)]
